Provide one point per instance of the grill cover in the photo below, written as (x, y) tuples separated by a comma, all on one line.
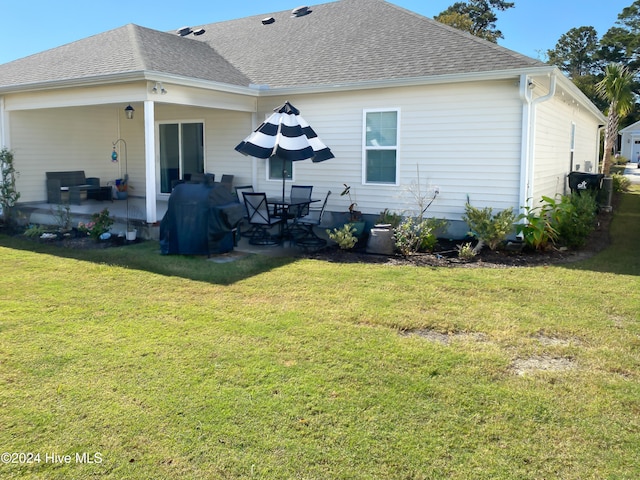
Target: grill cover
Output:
[(199, 220)]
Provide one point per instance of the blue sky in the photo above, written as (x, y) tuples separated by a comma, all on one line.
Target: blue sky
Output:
[(31, 26)]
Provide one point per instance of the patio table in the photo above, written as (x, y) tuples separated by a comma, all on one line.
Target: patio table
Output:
[(281, 208)]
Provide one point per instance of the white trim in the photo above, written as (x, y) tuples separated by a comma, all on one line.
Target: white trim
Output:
[(150, 160), (4, 117), (162, 195)]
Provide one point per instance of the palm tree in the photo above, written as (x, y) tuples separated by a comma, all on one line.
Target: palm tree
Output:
[(615, 88)]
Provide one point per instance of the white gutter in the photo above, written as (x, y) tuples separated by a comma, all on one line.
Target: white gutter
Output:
[(527, 152)]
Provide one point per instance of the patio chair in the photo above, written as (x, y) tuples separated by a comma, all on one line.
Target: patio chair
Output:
[(240, 191), (227, 181), (305, 235), (260, 218), (303, 192)]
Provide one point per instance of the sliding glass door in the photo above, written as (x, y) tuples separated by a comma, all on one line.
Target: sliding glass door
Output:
[(181, 150)]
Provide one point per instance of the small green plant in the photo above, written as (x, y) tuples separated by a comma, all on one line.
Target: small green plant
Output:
[(34, 231), (465, 251), (62, 214), (99, 224), (414, 236), (389, 218), (8, 193), (344, 236), (537, 230), (620, 159), (489, 229), (620, 183)]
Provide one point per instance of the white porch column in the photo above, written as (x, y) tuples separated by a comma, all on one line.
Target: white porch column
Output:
[(150, 160), (4, 125)]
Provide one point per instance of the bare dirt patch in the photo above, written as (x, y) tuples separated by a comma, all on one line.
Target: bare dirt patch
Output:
[(444, 338), (524, 366)]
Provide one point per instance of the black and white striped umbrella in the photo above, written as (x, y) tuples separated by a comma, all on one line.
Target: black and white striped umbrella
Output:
[(285, 135)]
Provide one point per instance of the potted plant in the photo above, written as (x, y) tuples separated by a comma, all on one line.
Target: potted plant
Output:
[(355, 216), (122, 187), (381, 239)]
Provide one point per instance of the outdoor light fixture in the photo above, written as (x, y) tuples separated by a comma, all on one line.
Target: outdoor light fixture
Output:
[(158, 88), (129, 112)]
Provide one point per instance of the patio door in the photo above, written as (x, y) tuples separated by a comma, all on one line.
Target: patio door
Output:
[(181, 152)]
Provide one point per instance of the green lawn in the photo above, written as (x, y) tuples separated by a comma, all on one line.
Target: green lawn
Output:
[(159, 367)]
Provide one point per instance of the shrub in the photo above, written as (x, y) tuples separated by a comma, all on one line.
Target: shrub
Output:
[(620, 160), (575, 217), (99, 224), (489, 229), (8, 193), (537, 230), (344, 236), (620, 183), (465, 251), (412, 236), (34, 231)]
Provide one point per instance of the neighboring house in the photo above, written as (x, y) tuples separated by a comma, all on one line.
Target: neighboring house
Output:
[(399, 98), (630, 142)]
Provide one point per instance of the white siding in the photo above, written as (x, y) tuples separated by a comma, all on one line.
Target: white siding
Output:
[(463, 139), (62, 139), (552, 155)]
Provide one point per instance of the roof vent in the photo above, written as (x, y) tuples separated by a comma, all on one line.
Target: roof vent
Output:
[(300, 12), (199, 31), (184, 31), (268, 20)]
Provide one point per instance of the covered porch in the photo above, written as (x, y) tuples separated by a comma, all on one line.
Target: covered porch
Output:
[(42, 213)]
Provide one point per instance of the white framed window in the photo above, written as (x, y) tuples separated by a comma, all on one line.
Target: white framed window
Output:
[(275, 168), (380, 146)]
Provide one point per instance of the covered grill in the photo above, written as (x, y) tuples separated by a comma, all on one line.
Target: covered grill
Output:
[(200, 220)]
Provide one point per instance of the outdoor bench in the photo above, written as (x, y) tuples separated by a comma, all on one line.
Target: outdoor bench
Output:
[(73, 182)]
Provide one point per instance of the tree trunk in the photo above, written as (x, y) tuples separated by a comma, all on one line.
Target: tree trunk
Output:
[(610, 137)]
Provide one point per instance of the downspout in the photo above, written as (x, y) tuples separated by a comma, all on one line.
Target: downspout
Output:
[(528, 134)]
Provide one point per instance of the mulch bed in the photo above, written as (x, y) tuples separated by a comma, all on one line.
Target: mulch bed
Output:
[(446, 253)]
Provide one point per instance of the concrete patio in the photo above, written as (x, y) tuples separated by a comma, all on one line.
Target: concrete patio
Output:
[(49, 213)]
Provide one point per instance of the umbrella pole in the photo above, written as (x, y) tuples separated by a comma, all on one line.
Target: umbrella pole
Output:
[(284, 175)]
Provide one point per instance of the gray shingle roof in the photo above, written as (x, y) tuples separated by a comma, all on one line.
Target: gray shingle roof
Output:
[(126, 49), (346, 41), (351, 41)]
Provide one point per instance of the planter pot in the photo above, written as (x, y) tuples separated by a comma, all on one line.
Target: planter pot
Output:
[(359, 226), (131, 236), (121, 195), (381, 241)]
